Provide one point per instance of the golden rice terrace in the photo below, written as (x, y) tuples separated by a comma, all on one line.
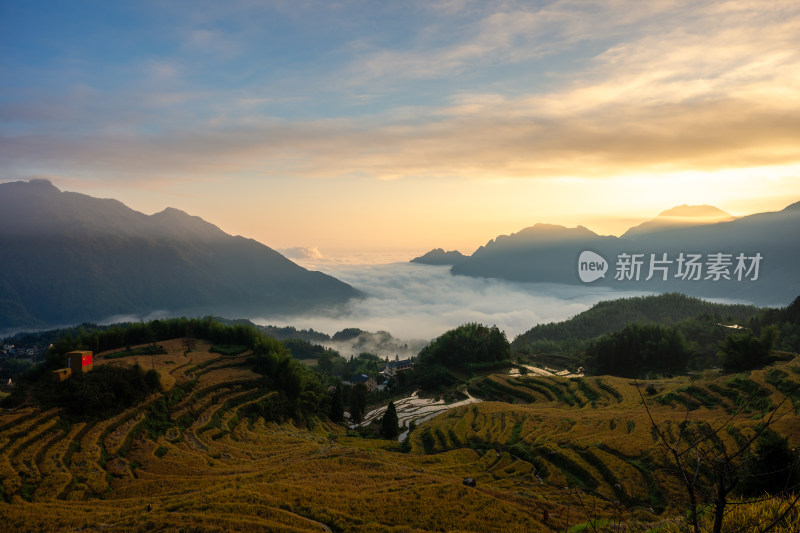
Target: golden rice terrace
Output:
[(549, 454)]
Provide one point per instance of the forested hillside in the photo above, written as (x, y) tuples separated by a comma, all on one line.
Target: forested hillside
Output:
[(613, 315), (694, 328)]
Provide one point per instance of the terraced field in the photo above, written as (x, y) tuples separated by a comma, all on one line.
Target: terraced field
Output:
[(190, 459), (594, 434)]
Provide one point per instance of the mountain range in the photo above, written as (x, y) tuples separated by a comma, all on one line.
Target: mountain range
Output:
[(68, 258), (696, 250)]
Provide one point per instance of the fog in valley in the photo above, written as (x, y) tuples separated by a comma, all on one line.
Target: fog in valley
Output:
[(417, 303)]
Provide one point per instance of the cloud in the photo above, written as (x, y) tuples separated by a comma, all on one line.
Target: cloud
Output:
[(300, 252), (421, 302), (501, 142), (669, 86)]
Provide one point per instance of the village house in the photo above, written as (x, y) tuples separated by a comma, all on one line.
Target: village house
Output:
[(394, 367), (369, 382)]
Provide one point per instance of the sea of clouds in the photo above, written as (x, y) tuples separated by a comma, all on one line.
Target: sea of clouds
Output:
[(420, 302)]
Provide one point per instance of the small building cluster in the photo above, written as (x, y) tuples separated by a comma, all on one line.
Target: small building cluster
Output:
[(391, 370), (10, 350), (78, 362)]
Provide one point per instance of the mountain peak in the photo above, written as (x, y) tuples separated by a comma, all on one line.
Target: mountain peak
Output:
[(43, 184), (438, 256), (792, 207), (680, 216), (34, 186), (172, 212), (696, 211), (172, 220), (547, 231)]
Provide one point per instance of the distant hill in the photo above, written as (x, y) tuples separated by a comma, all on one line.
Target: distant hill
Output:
[(439, 257), (613, 315), (69, 258), (768, 241), (658, 334)]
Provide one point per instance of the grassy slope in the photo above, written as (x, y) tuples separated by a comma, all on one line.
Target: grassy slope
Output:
[(215, 470)]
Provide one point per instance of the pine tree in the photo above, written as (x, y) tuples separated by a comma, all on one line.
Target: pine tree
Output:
[(389, 423), (337, 405), (355, 409)]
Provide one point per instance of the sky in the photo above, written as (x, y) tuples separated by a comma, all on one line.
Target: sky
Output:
[(362, 126)]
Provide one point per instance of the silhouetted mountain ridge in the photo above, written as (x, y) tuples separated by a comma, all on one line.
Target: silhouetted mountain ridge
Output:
[(549, 253), (680, 216), (69, 258), (792, 207)]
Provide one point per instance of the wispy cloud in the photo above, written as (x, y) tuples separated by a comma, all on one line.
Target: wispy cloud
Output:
[(694, 86)]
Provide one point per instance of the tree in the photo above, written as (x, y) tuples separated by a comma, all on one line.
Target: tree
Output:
[(772, 467), (355, 409), (361, 394), (744, 351), (337, 405), (638, 349), (471, 347), (189, 342), (389, 422), (713, 460)]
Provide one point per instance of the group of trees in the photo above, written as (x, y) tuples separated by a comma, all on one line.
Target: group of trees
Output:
[(331, 363), (106, 390), (467, 348), (354, 397), (638, 349), (103, 392), (744, 351)]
